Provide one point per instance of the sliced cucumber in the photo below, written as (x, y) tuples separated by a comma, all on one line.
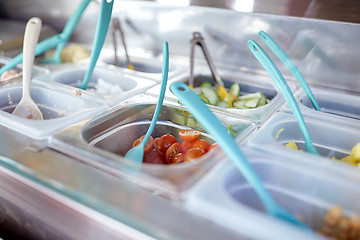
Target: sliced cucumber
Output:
[(211, 95), (223, 104), (204, 98), (206, 85), (252, 103), (262, 101), (234, 90), (191, 123), (239, 104), (251, 96)]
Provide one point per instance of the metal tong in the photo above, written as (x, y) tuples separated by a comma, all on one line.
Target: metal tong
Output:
[(199, 40), (116, 27)]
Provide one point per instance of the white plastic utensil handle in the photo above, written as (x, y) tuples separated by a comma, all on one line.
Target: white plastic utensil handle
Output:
[(32, 32)]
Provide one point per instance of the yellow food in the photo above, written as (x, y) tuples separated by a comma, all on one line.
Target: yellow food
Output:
[(72, 53), (292, 145), (278, 133), (355, 152), (348, 159), (354, 157)]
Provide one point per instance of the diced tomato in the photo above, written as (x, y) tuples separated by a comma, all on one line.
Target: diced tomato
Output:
[(214, 145), (185, 146), (178, 158), (148, 145), (193, 153), (174, 149), (154, 157), (189, 135), (162, 143), (202, 144)]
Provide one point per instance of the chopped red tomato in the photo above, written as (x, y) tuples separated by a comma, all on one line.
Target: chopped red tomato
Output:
[(154, 157), (202, 144), (193, 153), (174, 149), (148, 146), (162, 143), (185, 146), (189, 135)]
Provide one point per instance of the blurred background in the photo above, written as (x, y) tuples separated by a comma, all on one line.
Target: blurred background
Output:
[(337, 10)]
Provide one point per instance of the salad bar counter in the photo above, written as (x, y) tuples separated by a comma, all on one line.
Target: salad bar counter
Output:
[(66, 177)]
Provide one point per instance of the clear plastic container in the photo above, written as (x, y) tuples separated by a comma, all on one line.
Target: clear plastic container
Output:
[(105, 140), (305, 189), (59, 107), (330, 139), (110, 85), (334, 105), (36, 70), (247, 83)]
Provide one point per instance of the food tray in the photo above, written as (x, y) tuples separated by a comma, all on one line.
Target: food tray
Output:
[(334, 105), (72, 75), (303, 189), (36, 70), (248, 84), (104, 140), (58, 105), (330, 139)]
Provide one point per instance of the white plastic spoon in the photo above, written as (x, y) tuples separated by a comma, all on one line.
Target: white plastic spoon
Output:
[(27, 107)]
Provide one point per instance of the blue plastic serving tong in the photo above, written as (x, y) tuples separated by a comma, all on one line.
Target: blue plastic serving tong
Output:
[(214, 127), (100, 35), (280, 82), (280, 53), (136, 153), (57, 41)]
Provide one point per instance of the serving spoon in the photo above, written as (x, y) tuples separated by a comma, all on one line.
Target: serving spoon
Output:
[(27, 108), (280, 82), (136, 153), (214, 127)]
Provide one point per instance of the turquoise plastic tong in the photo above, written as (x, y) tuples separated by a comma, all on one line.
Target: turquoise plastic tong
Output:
[(100, 35), (280, 82), (214, 127), (57, 41), (280, 53)]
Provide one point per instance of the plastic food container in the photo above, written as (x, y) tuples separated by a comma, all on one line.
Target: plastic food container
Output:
[(305, 189), (58, 106), (248, 84), (330, 139), (335, 106), (105, 140), (18, 69), (110, 85)]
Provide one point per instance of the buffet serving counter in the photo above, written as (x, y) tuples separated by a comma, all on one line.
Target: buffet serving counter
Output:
[(66, 178)]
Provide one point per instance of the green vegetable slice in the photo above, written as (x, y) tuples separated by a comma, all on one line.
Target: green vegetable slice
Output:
[(211, 95), (239, 104), (250, 96), (234, 90), (206, 85), (252, 103)]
